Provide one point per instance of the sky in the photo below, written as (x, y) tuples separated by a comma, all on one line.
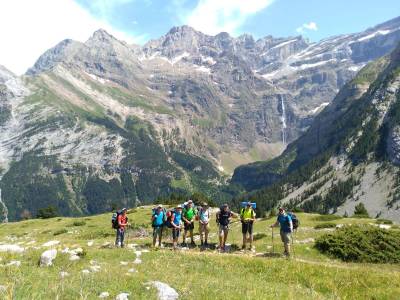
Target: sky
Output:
[(30, 27)]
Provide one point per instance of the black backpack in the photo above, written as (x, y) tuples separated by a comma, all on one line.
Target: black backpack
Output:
[(114, 219), (295, 220)]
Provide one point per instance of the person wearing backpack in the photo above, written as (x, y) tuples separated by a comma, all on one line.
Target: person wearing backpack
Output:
[(284, 220), (224, 216), (203, 216), (176, 224), (121, 224), (247, 217), (188, 216), (158, 219)]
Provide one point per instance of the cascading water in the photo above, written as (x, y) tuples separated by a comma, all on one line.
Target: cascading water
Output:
[(3, 211), (283, 121)]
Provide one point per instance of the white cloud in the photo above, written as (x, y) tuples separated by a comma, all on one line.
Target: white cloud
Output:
[(215, 16), (307, 26), (28, 28)]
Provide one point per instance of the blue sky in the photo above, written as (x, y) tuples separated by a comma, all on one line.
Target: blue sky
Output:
[(28, 28), (315, 19)]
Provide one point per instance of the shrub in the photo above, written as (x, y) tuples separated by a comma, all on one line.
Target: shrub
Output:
[(323, 218), (47, 212), (325, 225), (361, 244), (360, 210), (384, 221), (259, 236), (61, 231), (79, 223)]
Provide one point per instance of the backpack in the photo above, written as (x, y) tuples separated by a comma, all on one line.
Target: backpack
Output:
[(295, 220), (169, 215), (114, 219)]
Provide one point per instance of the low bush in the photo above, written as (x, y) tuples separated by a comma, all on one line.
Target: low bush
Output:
[(384, 221), (323, 218), (259, 236), (77, 223), (325, 225), (362, 243), (61, 231)]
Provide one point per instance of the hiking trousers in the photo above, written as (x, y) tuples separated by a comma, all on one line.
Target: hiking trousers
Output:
[(119, 241)]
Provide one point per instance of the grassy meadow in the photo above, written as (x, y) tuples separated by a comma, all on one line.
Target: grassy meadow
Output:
[(193, 273)]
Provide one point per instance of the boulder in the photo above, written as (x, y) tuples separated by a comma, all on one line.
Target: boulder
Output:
[(47, 257)]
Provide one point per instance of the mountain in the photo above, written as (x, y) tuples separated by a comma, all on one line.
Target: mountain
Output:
[(103, 123), (350, 154)]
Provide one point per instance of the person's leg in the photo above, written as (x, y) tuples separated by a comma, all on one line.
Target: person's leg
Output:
[(220, 236), (122, 238), (251, 235), (160, 233), (191, 233), (117, 237), (154, 236), (206, 231), (201, 232), (184, 235), (226, 231), (174, 238), (244, 233)]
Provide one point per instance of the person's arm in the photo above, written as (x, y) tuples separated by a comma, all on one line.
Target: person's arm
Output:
[(254, 216), (290, 223), (275, 224)]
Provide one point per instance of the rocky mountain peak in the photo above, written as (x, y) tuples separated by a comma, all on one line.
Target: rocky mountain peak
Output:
[(102, 36)]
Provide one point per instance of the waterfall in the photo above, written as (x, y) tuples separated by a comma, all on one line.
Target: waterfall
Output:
[(4, 209), (283, 121)]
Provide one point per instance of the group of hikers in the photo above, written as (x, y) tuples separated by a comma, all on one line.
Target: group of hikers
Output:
[(183, 217)]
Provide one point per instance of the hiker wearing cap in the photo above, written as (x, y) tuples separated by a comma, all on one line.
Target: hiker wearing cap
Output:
[(176, 225), (122, 220), (158, 219), (203, 216), (188, 216), (247, 217), (224, 216), (286, 228)]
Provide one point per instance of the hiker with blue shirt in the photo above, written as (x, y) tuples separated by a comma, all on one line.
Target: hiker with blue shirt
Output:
[(286, 228), (158, 219), (176, 225)]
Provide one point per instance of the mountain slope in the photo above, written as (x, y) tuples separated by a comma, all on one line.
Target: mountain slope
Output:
[(102, 123), (349, 154)]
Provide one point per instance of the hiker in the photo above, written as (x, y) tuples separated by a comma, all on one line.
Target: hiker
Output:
[(203, 216), (176, 224), (158, 219), (286, 228), (247, 217), (224, 216), (188, 216), (122, 221)]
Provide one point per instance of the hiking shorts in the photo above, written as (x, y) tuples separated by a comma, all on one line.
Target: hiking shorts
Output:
[(223, 230), (189, 226), (247, 227), (285, 237), (157, 231), (175, 233), (204, 228)]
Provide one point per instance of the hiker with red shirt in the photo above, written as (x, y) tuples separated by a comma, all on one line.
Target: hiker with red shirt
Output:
[(122, 224)]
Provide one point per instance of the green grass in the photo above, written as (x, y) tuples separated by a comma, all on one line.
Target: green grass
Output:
[(194, 274)]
